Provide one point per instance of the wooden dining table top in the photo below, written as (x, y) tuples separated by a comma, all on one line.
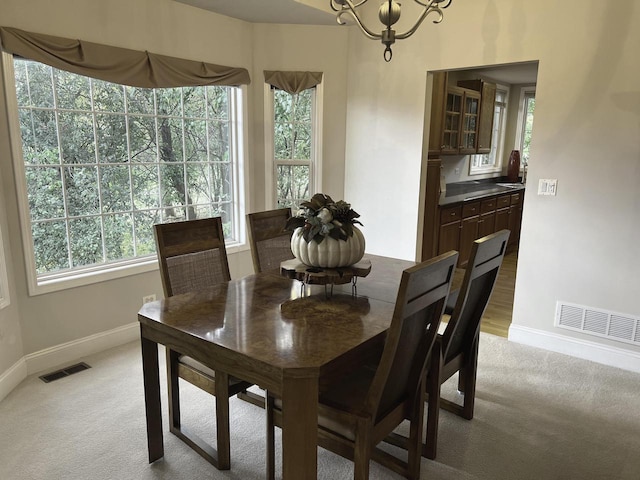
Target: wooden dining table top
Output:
[(269, 330), (277, 325)]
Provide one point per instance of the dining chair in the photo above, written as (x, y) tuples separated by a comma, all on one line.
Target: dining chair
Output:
[(456, 349), (357, 412), (192, 256), (270, 242)]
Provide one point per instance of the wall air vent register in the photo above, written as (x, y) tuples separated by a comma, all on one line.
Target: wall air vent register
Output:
[(598, 322)]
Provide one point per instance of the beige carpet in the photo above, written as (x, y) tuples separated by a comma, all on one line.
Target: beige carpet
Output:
[(539, 416)]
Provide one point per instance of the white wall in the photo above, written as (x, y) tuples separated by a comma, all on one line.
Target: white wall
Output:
[(304, 48), (579, 246)]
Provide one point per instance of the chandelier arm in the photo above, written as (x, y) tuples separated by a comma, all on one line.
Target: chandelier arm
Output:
[(440, 4), (372, 35), (349, 3), (413, 29)]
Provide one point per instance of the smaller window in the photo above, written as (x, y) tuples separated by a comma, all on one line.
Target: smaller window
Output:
[(292, 133), (525, 125), (492, 161)]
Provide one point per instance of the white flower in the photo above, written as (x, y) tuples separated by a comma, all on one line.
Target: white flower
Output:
[(325, 215)]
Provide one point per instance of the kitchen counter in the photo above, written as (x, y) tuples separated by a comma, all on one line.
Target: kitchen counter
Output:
[(477, 189)]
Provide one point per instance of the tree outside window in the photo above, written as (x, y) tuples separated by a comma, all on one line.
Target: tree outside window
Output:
[(528, 108), (293, 142), (104, 162)]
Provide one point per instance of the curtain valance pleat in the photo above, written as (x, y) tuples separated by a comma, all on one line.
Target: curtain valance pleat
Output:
[(118, 65), (292, 82)]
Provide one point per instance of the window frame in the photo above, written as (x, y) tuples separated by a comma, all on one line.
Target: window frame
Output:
[(5, 299), (525, 94), (271, 163), (81, 276), (497, 147)]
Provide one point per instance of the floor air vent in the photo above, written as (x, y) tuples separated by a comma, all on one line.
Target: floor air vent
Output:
[(64, 372), (601, 323)]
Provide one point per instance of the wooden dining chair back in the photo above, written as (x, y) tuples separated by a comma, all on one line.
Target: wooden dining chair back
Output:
[(192, 256), (456, 350), (270, 242), (359, 411)]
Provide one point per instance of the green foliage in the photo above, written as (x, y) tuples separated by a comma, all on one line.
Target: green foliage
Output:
[(292, 143), (321, 217), (105, 162)]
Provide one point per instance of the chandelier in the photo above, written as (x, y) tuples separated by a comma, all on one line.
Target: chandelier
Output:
[(389, 14)]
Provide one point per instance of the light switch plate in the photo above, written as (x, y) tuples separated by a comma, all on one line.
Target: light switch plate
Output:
[(547, 186)]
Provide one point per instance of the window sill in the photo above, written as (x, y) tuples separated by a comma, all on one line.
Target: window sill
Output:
[(55, 283)]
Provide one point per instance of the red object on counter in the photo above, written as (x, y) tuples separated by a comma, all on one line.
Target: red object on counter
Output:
[(513, 169)]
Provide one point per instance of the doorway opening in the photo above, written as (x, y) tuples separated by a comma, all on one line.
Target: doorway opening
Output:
[(474, 118)]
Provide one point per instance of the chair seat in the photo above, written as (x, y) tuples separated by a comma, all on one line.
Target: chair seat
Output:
[(203, 369), (347, 395)]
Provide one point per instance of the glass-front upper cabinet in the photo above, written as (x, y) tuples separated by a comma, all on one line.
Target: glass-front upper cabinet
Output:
[(460, 126), (470, 115), (452, 118)]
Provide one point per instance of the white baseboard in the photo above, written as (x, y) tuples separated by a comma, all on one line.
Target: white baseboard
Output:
[(596, 352), (12, 377), (53, 357)]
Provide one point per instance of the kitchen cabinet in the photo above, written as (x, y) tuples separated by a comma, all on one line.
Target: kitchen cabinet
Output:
[(460, 125), (461, 119), (487, 107), (437, 112), (468, 231), (449, 229), (487, 222), (503, 202), (460, 224), (515, 217)]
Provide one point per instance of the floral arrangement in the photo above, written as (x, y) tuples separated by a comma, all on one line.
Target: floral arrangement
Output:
[(321, 217)]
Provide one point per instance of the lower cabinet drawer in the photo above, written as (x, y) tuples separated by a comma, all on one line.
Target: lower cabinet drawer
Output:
[(470, 209), (488, 205), (450, 214), (503, 201)]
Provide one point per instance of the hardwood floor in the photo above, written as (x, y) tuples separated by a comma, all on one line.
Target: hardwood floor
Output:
[(497, 317)]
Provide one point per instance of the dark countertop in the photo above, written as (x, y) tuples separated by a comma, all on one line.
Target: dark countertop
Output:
[(476, 190)]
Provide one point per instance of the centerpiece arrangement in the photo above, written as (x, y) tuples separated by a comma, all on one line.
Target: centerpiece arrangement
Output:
[(325, 233)]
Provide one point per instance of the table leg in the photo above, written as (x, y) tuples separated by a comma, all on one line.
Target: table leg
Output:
[(151, 373), (299, 428)]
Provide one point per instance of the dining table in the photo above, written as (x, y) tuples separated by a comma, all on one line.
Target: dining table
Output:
[(267, 330)]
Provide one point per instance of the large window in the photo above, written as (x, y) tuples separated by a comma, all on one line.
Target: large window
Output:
[(103, 162), (492, 161), (294, 136)]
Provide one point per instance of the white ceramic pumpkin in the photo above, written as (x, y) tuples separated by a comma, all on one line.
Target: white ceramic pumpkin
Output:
[(330, 253)]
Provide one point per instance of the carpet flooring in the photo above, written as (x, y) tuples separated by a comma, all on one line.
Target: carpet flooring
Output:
[(539, 416)]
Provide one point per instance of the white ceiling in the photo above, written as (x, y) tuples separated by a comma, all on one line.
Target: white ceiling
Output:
[(317, 12), (513, 73), (270, 11)]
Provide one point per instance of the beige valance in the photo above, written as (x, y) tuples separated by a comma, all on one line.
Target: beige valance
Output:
[(118, 65), (292, 82)]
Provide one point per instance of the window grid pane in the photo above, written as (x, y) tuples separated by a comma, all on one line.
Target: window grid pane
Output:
[(104, 162), (293, 146)]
